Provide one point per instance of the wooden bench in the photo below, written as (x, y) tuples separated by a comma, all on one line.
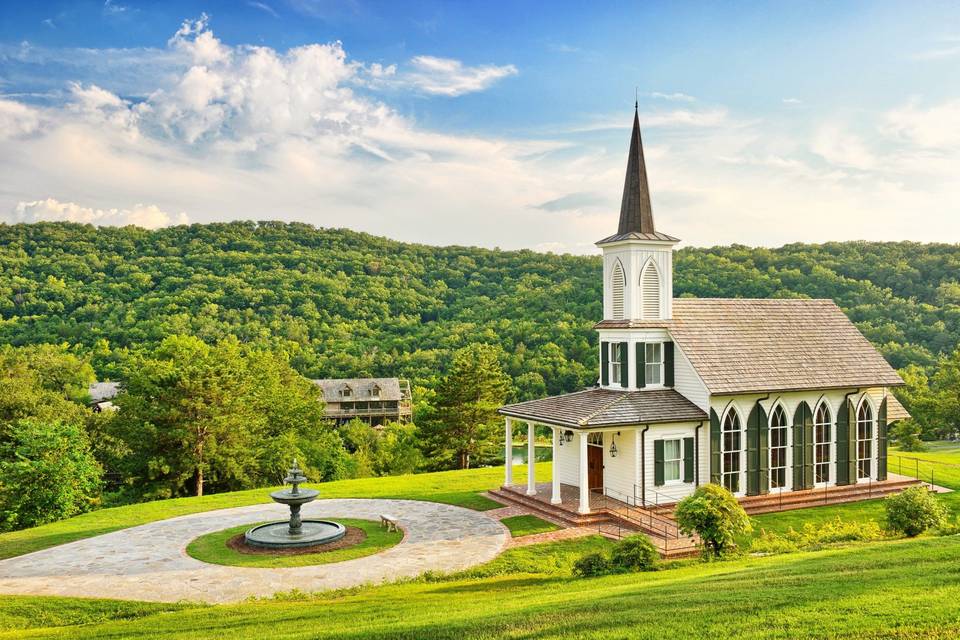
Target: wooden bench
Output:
[(390, 522)]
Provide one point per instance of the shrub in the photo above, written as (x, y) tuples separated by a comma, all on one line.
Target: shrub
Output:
[(913, 511), (715, 515), (812, 536), (592, 564), (47, 473), (634, 553)]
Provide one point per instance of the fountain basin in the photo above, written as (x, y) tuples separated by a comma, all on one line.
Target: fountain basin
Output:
[(276, 535), (287, 496)]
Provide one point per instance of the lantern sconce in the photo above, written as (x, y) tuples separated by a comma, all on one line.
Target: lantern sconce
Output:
[(613, 446), (568, 435)]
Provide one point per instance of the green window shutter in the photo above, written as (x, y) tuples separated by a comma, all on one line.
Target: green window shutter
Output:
[(714, 447), (802, 447), (852, 439), (624, 364), (641, 365), (668, 364), (843, 445), (882, 441), (658, 462), (604, 363), (763, 451), (688, 462), (753, 451)]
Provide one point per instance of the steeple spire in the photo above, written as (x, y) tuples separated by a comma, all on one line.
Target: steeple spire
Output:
[(636, 214)]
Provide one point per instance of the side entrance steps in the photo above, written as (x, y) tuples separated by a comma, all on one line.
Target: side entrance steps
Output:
[(612, 519)]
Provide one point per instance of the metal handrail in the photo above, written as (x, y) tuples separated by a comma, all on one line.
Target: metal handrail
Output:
[(916, 467), (639, 516), (667, 499)]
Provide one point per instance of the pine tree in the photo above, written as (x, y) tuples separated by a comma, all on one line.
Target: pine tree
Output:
[(466, 424)]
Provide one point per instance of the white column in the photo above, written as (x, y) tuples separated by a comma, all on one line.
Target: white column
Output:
[(584, 488), (531, 459), (555, 475), (508, 454)]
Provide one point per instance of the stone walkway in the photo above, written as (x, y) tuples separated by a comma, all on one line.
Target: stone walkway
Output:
[(149, 562)]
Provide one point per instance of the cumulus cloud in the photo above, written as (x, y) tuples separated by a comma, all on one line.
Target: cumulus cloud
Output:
[(929, 127), (17, 119), (50, 209)]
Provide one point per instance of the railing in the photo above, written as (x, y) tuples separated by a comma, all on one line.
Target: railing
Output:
[(926, 471), (659, 499), (618, 505)]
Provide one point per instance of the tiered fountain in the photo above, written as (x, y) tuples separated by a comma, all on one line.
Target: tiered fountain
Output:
[(295, 532)]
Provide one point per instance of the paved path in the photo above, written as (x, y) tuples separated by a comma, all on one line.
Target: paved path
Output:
[(149, 562)]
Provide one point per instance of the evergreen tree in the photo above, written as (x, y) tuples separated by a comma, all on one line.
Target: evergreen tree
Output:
[(466, 424)]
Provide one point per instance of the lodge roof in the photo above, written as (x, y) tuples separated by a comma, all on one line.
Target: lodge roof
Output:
[(748, 345), (607, 408), (360, 387), (100, 391)]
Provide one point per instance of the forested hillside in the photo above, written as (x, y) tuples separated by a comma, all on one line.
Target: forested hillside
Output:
[(349, 304)]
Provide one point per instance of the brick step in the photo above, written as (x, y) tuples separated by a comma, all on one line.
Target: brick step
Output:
[(569, 518), (811, 498)]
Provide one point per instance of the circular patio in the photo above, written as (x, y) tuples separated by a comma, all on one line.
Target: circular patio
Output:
[(149, 562)]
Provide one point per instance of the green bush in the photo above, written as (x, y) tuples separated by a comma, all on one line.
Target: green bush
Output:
[(913, 511), (715, 515), (812, 536), (635, 553), (47, 473), (592, 564)]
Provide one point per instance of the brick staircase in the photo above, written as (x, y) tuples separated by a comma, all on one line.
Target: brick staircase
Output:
[(612, 519)]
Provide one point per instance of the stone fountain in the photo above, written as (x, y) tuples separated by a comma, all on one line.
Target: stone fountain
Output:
[(296, 532)]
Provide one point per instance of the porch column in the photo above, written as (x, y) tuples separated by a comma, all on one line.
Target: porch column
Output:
[(555, 474), (531, 459), (584, 488), (508, 454)]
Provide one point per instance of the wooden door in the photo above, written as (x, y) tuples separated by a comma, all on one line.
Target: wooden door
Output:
[(594, 467)]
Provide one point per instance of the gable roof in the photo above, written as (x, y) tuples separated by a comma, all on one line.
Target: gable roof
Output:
[(895, 410), (746, 345), (361, 387), (607, 408)]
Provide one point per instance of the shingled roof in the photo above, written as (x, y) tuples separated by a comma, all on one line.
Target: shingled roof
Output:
[(361, 388), (607, 408), (745, 345), (895, 410)]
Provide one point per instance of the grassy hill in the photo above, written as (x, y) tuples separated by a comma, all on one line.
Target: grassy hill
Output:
[(350, 304), (891, 589)]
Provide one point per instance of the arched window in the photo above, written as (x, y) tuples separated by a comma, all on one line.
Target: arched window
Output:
[(822, 428), (650, 292), (864, 439), (616, 288), (731, 441), (778, 448), (595, 438)]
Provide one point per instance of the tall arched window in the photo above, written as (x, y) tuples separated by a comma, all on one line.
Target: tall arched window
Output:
[(650, 292), (616, 289), (864, 440), (822, 429), (731, 450), (778, 448)]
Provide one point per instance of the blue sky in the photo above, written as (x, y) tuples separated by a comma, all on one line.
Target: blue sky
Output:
[(486, 123)]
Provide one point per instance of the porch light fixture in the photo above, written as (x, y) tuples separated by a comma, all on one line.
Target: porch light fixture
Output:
[(568, 435), (613, 446)]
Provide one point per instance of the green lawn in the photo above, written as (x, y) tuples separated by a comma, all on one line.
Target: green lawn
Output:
[(213, 548), (451, 487), (527, 525), (902, 589)]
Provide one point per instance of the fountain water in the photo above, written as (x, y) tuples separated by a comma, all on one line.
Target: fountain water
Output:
[(295, 532)]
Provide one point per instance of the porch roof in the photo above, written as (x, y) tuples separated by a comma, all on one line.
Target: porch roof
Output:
[(607, 408)]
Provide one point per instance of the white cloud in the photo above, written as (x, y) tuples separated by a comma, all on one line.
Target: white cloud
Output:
[(673, 97), (841, 147), (791, 101), (50, 209), (17, 119), (449, 77), (932, 127), (263, 6)]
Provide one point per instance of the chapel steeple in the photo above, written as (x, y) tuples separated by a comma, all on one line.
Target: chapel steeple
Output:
[(636, 214), (638, 259)]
